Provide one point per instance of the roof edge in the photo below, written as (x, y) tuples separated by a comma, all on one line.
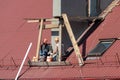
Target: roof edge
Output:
[(109, 9)]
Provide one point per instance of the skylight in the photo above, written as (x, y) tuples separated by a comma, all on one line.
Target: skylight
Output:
[(101, 47)]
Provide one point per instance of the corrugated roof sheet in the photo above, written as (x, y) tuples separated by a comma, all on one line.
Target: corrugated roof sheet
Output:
[(15, 38), (16, 33)]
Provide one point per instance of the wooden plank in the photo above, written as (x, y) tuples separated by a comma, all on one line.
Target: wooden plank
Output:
[(32, 20), (89, 8), (74, 43), (52, 19), (60, 42), (39, 40), (51, 26), (109, 8)]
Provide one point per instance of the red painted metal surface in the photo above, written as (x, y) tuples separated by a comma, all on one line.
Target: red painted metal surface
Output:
[(16, 34), (109, 28)]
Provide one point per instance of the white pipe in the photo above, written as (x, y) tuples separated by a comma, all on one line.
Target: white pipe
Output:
[(23, 61)]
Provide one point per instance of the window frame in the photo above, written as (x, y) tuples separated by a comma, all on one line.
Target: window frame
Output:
[(94, 53)]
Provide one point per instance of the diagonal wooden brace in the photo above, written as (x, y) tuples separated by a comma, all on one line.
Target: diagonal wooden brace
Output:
[(72, 38)]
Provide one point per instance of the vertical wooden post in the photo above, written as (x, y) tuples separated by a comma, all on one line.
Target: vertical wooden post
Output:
[(39, 39), (74, 43), (89, 8), (60, 42)]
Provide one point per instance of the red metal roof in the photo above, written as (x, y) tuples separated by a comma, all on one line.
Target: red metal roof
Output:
[(16, 36), (16, 33)]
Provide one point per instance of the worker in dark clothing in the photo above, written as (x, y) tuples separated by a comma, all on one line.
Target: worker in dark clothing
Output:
[(44, 50)]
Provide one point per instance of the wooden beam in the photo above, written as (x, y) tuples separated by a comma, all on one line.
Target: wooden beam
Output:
[(52, 19), (46, 25), (51, 26), (109, 8), (60, 42), (39, 40), (35, 20), (89, 8), (32, 21), (72, 38)]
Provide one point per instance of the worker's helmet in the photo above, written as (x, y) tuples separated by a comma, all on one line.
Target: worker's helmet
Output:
[(56, 39)]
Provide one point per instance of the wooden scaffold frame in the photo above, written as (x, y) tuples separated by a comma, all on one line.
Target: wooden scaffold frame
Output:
[(62, 20)]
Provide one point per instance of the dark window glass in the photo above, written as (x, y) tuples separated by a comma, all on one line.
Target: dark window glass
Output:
[(101, 47)]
